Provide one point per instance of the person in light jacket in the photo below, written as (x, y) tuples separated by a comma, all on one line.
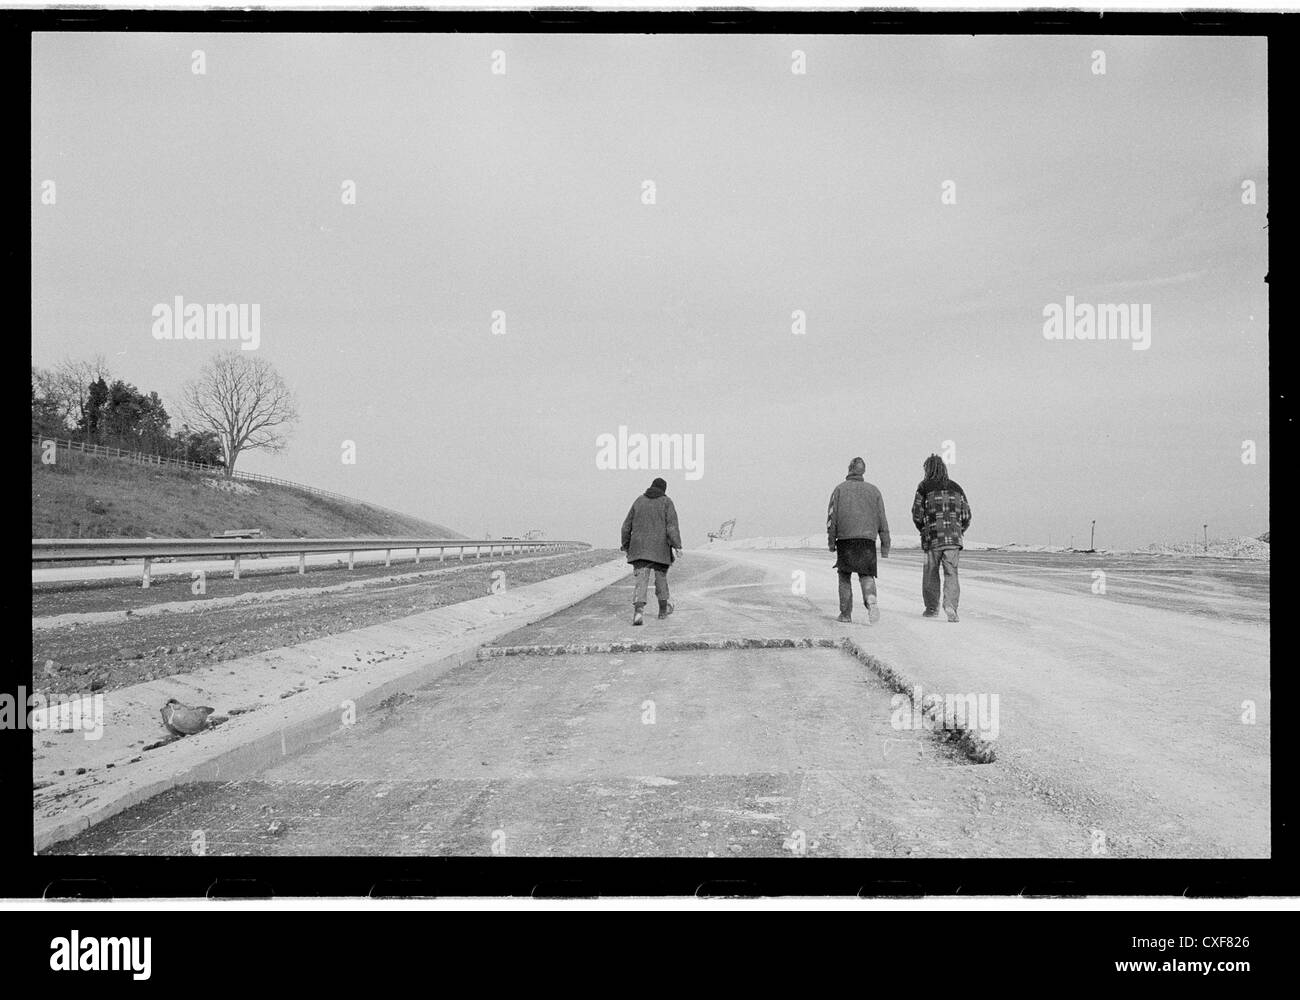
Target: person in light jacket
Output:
[(855, 518), (651, 539)]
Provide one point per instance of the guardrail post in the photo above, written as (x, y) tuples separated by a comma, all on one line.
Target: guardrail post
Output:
[(478, 551), (442, 553), (302, 563), (417, 555), (351, 559), (388, 557), (236, 567), (148, 570), (462, 553)]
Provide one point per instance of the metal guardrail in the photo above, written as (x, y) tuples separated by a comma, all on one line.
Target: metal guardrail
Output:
[(149, 549)]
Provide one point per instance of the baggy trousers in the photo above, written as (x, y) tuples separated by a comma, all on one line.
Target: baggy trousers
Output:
[(947, 558), (642, 570)]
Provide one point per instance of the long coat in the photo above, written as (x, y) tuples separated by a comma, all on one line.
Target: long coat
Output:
[(650, 529)]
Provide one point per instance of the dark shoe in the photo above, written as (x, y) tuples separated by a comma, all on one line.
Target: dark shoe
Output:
[(927, 613), (952, 614), (846, 619), (636, 617), (665, 609)]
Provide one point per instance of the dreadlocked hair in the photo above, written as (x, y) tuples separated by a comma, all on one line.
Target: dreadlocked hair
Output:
[(935, 469)]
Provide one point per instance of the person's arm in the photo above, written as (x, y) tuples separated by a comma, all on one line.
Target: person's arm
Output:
[(674, 533), (918, 511), (882, 526), (627, 528), (965, 513), (830, 519)]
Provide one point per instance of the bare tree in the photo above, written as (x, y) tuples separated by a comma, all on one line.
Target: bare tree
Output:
[(69, 386), (244, 401), (47, 399)]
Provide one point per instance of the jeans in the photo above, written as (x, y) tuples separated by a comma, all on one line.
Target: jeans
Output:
[(947, 558), (642, 575), (868, 584)]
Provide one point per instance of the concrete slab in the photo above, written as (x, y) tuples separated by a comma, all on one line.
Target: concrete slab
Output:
[(731, 753), (276, 702)]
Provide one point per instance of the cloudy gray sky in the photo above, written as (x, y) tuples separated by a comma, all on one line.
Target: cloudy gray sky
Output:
[(775, 192)]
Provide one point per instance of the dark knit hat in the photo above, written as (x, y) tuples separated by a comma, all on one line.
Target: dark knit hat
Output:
[(857, 466), (659, 484)]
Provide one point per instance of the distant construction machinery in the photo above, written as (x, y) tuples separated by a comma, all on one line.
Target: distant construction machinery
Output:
[(723, 533)]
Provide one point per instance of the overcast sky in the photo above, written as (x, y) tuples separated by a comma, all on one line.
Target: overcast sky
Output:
[(774, 192)]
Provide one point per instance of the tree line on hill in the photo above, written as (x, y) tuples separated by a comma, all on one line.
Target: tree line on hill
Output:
[(237, 403)]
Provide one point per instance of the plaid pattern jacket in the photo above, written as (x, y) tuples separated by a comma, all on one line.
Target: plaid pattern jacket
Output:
[(941, 514)]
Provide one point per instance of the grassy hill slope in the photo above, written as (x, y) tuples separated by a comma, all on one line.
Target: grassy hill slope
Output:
[(108, 498)]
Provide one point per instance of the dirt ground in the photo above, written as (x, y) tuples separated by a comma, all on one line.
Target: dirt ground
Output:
[(104, 656), (1228, 589)]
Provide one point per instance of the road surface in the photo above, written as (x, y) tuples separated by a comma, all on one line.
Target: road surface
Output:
[(1119, 723)]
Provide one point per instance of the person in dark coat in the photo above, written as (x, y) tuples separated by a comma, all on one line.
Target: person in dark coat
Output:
[(855, 518), (942, 515), (651, 539)]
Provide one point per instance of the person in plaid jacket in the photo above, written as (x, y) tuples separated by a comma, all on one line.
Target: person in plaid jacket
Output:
[(942, 515)]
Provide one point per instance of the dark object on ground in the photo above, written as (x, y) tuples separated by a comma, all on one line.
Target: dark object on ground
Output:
[(182, 719)]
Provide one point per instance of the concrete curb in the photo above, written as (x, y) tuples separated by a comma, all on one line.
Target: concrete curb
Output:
[(653, 646), (977, 749), (249, 741)]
